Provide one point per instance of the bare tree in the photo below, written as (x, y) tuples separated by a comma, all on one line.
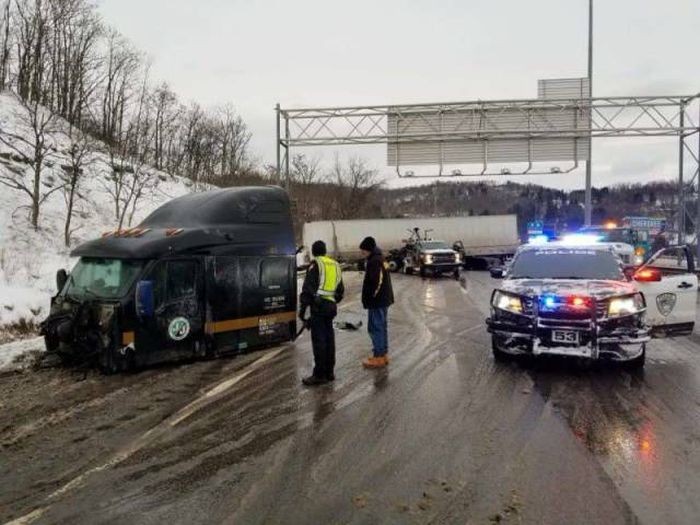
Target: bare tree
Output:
[(139, 142), (233, 137), (165, 105), (121, 64), (5, 44), (356, 183), (305, 173), (39, 123), (75, 33), (80, 157)]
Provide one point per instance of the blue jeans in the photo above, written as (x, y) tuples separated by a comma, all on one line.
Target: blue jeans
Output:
[(377, 326)]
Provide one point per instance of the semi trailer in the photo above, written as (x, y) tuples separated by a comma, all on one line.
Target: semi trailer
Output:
[(483, 237)]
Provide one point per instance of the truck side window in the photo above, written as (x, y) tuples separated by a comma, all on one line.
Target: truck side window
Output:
[(181, 279)]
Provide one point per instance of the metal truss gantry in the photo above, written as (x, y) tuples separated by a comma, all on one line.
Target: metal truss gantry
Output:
[(529, 120)]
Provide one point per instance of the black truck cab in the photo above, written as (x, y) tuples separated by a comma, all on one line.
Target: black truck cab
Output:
[(205, 274)]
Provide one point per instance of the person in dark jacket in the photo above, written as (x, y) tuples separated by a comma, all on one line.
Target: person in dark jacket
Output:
[(323, 289), (377, 297)]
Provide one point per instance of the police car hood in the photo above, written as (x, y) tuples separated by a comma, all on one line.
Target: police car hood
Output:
[(599, 289)]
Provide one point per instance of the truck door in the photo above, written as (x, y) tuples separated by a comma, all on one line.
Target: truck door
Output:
[(670, 287), (177, 328)]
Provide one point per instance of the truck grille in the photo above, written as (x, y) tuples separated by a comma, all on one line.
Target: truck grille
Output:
[(444, 258)]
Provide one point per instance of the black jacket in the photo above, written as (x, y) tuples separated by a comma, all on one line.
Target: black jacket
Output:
[(377, 291), (309, 298)]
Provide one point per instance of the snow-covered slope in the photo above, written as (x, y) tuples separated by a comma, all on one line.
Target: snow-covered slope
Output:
[(29, 259)]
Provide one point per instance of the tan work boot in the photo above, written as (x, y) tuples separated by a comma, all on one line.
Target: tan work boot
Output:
[(375, 362)]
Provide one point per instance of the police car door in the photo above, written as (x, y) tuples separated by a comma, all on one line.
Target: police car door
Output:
[(670, 287)]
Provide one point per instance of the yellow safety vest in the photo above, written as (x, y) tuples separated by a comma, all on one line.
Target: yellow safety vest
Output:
[(329, 277)]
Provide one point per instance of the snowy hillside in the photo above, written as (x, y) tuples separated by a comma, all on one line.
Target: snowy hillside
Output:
[(29, 259)]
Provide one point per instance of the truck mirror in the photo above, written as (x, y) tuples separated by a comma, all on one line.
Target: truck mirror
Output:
[(497, 272), (61, 279), (145, 300)]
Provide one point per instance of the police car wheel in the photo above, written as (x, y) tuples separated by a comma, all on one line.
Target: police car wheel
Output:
[(638, 362)]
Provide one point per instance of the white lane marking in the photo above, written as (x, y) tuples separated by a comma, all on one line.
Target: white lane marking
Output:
[(168, 423), (479, 326)]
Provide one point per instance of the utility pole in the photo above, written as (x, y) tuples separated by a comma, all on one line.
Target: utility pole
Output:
[(589, 191), (278, 172)]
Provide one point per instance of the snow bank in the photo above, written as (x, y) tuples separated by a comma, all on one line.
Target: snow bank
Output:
[(29, 259), (15, 356)]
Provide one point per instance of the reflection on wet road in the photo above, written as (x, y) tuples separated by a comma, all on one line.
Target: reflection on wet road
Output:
[(444, 435)]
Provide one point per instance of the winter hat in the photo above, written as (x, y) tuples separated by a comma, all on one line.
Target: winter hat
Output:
[(318, 249), (368, 244)]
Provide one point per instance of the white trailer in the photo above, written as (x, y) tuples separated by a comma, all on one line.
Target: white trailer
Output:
[(483, 236)]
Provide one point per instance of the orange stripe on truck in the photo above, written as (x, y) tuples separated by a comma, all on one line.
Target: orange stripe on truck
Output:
[(217, 327), (127, 338)]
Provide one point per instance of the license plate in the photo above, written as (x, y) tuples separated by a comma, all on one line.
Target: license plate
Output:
[(565, 336)]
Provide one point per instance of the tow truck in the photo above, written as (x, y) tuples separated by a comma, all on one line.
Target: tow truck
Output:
[(426, 255), (583, 301)]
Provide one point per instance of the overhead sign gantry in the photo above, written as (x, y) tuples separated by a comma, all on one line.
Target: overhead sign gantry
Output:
[(546, 135)]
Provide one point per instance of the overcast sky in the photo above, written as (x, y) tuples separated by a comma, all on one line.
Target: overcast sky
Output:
[(327, 52)]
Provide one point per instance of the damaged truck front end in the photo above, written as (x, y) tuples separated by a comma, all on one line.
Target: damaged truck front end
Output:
[(86, 324)]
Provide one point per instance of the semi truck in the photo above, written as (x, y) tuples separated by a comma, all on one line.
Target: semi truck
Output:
[(482, 237), (204, 275)]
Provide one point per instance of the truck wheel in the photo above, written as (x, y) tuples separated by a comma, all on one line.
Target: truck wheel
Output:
[(408, 270), (393, 266), (498, 354), (638, 362), (422, 270), (456, 274)]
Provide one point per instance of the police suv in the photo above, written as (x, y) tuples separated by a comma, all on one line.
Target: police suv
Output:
[(582, 300)]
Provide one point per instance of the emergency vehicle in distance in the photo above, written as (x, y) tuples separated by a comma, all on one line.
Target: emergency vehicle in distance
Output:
[(639, 232), (579, 299), (204, 274)]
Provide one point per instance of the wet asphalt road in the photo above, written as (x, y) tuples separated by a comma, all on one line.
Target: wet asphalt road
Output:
[(445, 435)]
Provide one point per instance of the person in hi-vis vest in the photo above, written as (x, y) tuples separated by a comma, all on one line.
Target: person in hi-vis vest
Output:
[(323, 289)]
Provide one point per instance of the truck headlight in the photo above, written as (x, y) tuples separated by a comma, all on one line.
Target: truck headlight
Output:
[(628, 305), (458, 257), (507, 302), (428, 259)]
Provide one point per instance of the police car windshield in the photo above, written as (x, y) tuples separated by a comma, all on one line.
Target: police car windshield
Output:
[(566, 263), (434, 245), (102, 278)]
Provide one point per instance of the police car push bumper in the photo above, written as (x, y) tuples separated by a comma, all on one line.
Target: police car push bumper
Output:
[(571, 326)]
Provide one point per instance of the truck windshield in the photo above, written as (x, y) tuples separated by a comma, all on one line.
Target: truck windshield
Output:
[(102, 278), (434, 245), (566, 264)]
